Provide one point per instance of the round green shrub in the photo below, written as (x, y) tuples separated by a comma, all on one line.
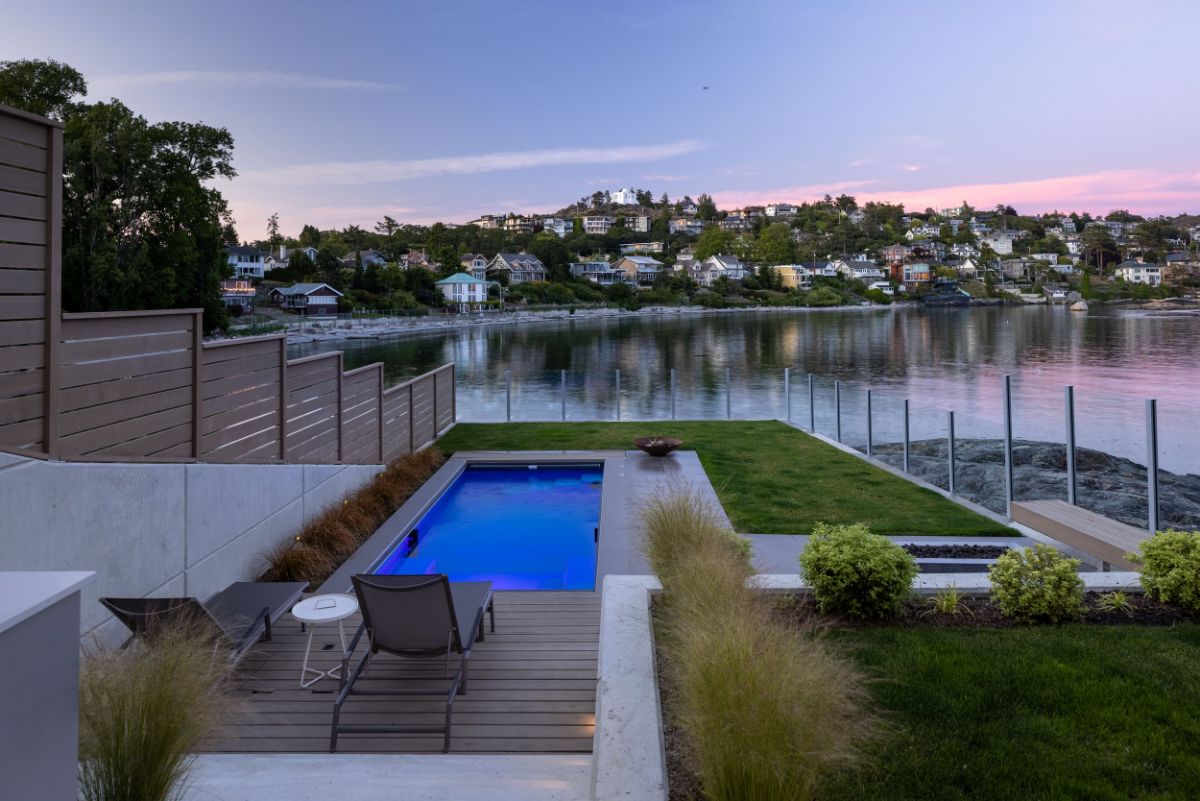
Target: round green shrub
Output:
[(1170, 562), (1037, 584), (855, 572)]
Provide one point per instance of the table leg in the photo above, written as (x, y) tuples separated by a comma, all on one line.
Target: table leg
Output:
[(305, 669)]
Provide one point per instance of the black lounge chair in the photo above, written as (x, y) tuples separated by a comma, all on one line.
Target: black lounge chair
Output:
[(241, 613), (421, 617)]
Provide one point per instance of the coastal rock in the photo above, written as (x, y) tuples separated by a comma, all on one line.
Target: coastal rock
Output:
[(1107, 484)]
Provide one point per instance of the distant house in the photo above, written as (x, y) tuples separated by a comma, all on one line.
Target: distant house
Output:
[(1136, 272), (598, 272), (895, 253), (639, 224), (238, 292), (883, 286), (488, 222), (971, 267), (916, 273), (715, 267), (1001, 243), (310, 299), (418, 259), (780, 210), (858, 270), (688, 208), (641, 247), (736, 224), (369, 257), (598, 224), (246, 262), (623, 197), (686, 225), (463, 292), (638, 269), (965, 251), (519, 267), (1021, 269), (794, 276), (562, 227), (475, 264), (518, 224)]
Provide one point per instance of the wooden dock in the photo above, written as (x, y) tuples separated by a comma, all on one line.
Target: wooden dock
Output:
[(532, 687)]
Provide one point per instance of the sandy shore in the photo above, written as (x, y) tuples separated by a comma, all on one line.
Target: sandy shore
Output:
[(340, 330)]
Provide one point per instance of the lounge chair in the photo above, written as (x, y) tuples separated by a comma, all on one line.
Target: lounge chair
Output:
[(241, 613), (421, 617)]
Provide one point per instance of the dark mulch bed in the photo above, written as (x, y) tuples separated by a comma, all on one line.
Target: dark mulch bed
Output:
[(684, 785), (956, 551), (985, 613)]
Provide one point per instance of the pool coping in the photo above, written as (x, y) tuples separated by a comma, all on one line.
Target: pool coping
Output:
[(401, 522)]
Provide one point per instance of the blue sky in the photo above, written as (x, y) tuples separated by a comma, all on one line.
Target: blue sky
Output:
[(343, 112)]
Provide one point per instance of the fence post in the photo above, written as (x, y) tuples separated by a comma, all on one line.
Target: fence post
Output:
[(618, 395), (562, 379), (508, 396), (787, 393), (812, 409), (907, 449), (412, 414), (1152, 463), (870, 430), (197, 357), (283, 398), (53, 308), (672, 393), (1069, 404), (1008, 454), (837, 409), (379, 397), (341, 439), (728, 395), (950, 442), (435, 408), (453, 393)]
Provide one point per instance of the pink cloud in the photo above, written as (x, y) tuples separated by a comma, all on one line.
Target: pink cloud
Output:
[(1143, 191)]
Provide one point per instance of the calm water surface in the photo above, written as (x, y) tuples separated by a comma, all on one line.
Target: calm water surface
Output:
[(939, 359)]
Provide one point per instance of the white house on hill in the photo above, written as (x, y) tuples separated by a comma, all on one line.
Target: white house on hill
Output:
[(463, 292)]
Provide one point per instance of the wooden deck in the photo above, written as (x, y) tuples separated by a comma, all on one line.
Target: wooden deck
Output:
[(532, 687)]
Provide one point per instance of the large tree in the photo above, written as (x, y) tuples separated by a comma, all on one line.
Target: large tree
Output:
[(775, 245), (712, 241), (143, 228)]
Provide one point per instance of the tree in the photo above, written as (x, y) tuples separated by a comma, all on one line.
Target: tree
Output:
[(553, 254), (1098, 244), (775, 245), (229, 235), (273, 236), (706, 208), (1151, 238), (846, 203), (597, 198), (713, 241), (309, 236), (329, 269), (40, 87), (387, 226)]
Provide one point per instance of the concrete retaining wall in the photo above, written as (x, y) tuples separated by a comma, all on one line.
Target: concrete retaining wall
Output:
[(156, 529)]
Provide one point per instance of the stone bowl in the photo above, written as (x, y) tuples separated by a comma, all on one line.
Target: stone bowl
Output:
[(657, 446)]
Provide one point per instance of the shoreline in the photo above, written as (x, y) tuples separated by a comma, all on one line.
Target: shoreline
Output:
[(369, 329)]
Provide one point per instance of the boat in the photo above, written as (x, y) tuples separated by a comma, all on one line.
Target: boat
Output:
[(946, 293)]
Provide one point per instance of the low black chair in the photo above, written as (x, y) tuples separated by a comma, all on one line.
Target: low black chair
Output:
[(418, 617), (240, 614)]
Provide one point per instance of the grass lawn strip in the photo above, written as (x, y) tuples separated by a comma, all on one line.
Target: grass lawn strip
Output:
[(1066, 712), (771, 478)]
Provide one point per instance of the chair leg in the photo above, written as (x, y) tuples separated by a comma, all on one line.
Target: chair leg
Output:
[(449, 713), (492, 613), (333, 733)]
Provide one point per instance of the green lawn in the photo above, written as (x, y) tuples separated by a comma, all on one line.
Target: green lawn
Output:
[(772, 478), (1070, 712)]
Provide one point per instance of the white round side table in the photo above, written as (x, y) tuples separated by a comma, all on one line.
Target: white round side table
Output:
[(323, 609)]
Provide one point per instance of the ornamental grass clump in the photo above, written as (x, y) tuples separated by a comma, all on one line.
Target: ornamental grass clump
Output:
[(767, 710), (854, 572), (144, 711), (1037, 584), (328, 539), (1170, 562)]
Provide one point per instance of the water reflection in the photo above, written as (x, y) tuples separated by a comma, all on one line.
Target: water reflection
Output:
[(939, 359)]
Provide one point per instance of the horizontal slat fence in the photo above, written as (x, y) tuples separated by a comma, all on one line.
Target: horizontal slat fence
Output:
[(143, 386), (30, 209)]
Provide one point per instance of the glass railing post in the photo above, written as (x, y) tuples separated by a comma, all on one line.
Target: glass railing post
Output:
[(563, 393), (870, 437), (907, 449), (728, 394), (812, 408), (950, 448), (837, 409), (672, 393), (1008, 446), (787, 393), (1069, 407), (618, 396), (508, 396), (1152, 463)]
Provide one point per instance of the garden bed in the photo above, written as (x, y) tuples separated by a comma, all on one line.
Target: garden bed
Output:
[(955, 551), (982, 708)]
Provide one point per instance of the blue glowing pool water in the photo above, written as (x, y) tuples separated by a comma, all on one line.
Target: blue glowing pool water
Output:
[(527, 527)]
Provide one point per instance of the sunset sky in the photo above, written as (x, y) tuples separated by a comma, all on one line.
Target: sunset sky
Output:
[(344, 112)]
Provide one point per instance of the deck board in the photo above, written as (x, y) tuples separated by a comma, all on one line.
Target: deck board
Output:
[(532, 688)]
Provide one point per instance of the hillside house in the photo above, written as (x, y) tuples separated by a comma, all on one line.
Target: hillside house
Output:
[(308, 299), (463, 292), (519, 267)]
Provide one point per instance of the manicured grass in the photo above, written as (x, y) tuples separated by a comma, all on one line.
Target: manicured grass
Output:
[(1069, 712), (772, 478)]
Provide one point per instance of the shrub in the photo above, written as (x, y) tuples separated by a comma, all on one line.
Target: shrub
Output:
[(1170, 562), (683, 522), (1037, 584), (143, 712), (948, 601), (293, 560), (823, 296), (853, 571), (1115, 601)]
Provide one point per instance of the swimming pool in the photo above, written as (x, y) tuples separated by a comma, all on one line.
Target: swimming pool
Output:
[(521, 527)]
